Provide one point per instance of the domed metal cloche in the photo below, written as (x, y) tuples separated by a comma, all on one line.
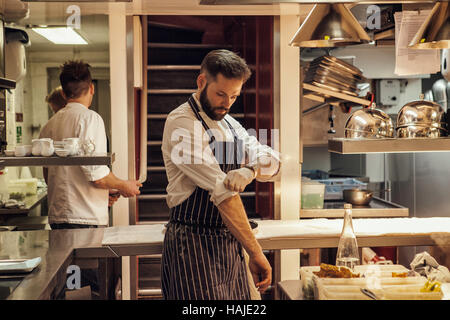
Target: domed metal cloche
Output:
[(369, 123)]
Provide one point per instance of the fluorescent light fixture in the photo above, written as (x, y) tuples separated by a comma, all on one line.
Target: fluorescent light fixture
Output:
[(60, 35)]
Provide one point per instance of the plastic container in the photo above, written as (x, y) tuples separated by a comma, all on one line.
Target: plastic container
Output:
[(25, 186), (312, 194), (334, 187)]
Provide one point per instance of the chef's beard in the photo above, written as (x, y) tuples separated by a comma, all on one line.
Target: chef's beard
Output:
[(208, 109)]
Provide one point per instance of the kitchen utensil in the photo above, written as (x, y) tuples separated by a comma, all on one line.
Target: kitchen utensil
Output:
[(439, 89), (369, 293), (369, 123), (358, 197), (19, 265), (421, 112)]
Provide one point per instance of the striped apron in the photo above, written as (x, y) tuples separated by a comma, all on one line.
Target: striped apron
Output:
[(201, 259)]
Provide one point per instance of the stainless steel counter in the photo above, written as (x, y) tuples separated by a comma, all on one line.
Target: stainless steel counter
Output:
[(60, 248), (30, 202)]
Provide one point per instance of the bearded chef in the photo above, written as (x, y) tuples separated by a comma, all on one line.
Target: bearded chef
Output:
[(209, 159)]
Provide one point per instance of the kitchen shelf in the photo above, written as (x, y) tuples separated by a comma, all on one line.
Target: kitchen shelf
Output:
[(388, 145), (173, 67), (7, 83), (170, 91), (56, 161), (377, 208), (329, 96)]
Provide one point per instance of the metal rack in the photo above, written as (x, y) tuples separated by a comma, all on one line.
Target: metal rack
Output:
[(107, 159), (329, 96), (389, 145)]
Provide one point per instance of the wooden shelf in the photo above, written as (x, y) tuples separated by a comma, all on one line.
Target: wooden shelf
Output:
[(377, 208), (330, 96), (392, 145), (56, 161)]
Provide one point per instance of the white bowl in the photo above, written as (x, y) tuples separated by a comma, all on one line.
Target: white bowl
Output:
[(9, 153), (62, 152)]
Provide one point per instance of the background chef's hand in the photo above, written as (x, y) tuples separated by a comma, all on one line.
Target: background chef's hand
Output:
[(114, 195), (130, 188), (260, 267), (237, 180)]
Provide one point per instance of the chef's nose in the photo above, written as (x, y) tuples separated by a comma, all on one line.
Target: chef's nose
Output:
[(226, 102)]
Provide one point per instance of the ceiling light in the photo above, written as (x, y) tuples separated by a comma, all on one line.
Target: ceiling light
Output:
[(60, 35)]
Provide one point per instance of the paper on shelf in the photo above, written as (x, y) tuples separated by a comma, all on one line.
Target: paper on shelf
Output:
[(412, 61)]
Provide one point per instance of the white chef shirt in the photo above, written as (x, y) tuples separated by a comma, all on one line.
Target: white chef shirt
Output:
[(72, 197), (200, 167)]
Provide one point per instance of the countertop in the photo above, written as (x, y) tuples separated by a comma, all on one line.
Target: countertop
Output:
[(59, 248), (30, 202)]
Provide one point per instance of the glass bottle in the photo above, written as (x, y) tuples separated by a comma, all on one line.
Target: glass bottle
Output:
[(347, 253)]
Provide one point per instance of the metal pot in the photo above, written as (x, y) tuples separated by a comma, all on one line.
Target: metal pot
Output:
[(421, 112), (357, 197), (369, 123)]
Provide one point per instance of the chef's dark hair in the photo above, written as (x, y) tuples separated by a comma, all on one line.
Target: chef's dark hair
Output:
[(56, 99), (75, 78), (227, 63)]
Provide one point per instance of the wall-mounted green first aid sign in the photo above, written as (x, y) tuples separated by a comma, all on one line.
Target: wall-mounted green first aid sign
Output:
[(19, 134)]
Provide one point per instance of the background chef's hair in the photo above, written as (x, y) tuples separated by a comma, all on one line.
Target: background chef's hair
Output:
[(228, 63), (56, 99), (75, 78)]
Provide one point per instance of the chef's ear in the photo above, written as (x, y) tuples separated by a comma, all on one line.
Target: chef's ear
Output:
[(201, 81), (92, 88)]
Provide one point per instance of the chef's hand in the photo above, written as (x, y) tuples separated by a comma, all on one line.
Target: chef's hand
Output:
[(260, 269), (237, 180), (114, 195), (130, 188)]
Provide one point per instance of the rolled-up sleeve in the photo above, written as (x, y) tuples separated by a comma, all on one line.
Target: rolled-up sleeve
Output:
[(255, 151), (92, 127), (186, 143)]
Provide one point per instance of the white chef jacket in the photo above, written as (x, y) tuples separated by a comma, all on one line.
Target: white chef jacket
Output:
[(72, 197), (201, 167)]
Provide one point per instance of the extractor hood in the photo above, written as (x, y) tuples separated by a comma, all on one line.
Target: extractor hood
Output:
[(329, 25), (435, 31)]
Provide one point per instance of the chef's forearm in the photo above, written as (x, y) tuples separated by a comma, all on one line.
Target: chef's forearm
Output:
[(109, 182), (235, 218)]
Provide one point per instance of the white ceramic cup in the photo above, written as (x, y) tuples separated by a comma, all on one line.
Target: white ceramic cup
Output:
[(36, 147), (72, 145), (20, 151), (28, 149), (47, 148)]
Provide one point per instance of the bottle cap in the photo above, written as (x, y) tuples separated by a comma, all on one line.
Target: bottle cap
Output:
[(347, 205)]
